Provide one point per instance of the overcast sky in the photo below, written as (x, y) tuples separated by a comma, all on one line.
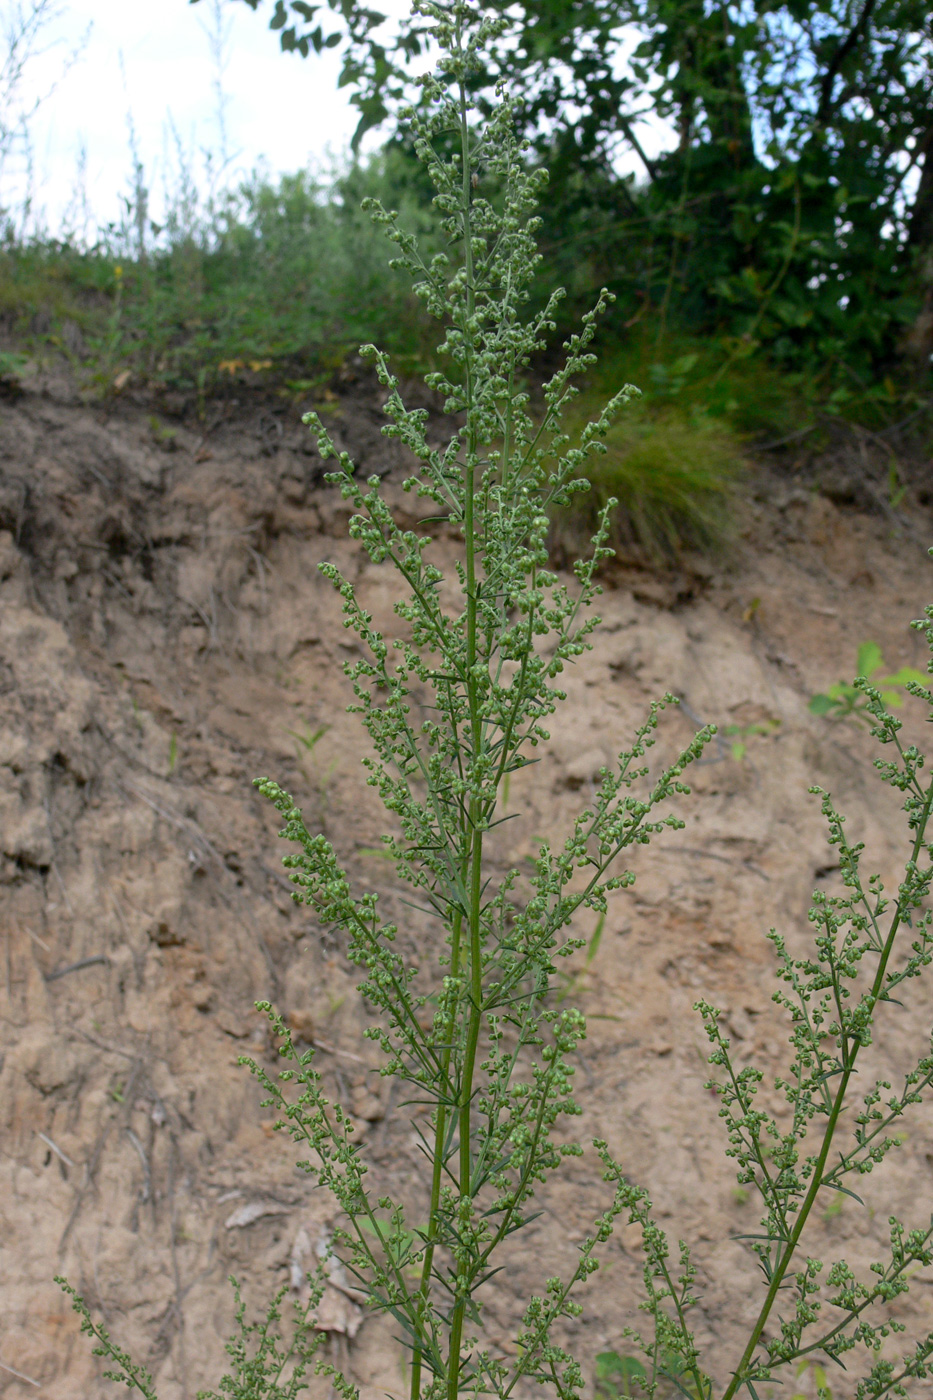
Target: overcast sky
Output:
[(150, 66), (150, 62)]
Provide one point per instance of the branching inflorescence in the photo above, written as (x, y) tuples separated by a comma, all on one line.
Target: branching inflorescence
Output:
[(471, 1029)]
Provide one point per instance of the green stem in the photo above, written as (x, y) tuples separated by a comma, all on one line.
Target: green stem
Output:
[(474, 834), (466, 1108), (437, 1172)]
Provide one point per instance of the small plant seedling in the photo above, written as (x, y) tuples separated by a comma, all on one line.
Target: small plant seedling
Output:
[(310, 739), (850, 701), (897, 489), (618, 1376), (739, 734), (308, 742), (137, 715), (572, 985), (812, 1370), (12, 366), (164, 436)]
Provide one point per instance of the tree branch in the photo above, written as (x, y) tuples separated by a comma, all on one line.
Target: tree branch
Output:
[(856, 33)]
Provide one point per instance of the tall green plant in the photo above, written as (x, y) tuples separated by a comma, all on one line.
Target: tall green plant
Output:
[(472, 1027)]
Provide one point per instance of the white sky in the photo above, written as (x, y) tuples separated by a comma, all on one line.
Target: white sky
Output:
[(281, 109), (149, 63)]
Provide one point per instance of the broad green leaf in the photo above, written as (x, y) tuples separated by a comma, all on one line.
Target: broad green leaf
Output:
[(869, 659), (901, 677)]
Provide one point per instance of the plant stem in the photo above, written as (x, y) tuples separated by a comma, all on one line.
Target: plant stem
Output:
[(474, 831), (437, 1172)]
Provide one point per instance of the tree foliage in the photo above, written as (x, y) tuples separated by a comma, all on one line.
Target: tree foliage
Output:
[(794, 205)]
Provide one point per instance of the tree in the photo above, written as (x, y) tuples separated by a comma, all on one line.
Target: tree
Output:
[(794, 205)]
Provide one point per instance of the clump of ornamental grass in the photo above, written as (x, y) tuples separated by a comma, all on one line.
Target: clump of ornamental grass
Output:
[(471, 1029)]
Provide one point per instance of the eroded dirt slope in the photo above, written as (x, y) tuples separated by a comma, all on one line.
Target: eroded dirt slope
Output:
[(165, 637)]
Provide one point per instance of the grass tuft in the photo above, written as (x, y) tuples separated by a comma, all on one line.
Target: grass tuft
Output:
[(675, 478)]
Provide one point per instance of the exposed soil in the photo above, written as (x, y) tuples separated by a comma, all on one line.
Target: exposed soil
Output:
[(165, 637)]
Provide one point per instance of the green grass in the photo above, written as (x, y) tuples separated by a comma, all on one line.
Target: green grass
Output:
[(676, 458), (284, 279), (675, 476)]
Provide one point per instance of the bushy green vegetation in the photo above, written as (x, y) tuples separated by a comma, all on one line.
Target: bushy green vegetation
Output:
[(790, 206), (287, 277), (277, 282), (677, 461)]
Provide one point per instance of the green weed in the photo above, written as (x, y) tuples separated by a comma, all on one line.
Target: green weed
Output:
[(310, 739), (739, 735), (812, 1370), (853, 701), (467, 1024), (12, 366), (618, 1376), (573, 982), (286, 277)]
